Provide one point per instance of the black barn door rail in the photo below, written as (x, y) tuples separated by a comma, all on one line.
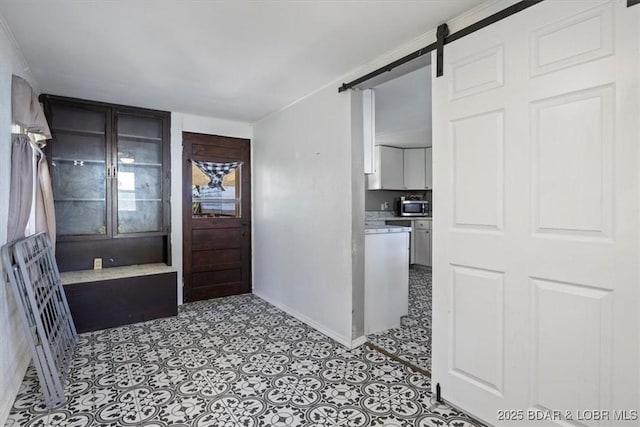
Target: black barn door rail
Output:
[(443, 38)]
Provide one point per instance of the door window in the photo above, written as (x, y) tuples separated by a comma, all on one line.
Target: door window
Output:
[(215, 189)]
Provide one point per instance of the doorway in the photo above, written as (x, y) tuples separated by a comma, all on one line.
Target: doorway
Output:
[(402, 123), (216, 186)]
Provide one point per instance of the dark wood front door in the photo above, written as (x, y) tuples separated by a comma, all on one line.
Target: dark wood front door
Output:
[(216, 216)]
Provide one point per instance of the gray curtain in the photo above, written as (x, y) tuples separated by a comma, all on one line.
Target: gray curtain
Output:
[(21, 186), (27, 112), (45, 212)]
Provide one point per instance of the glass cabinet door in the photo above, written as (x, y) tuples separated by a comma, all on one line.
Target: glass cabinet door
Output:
[(139, 174), (79, 170)]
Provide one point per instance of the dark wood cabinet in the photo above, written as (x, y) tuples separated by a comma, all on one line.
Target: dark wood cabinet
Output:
[(121, 301), (110, 171)]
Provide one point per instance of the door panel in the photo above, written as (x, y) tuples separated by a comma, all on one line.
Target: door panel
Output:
[(536, 218), (225, 276), (477, 145), (564, 314), (217, 216), (572, 183), (473, 287), (205, 260), (217, 238), (223, 152)]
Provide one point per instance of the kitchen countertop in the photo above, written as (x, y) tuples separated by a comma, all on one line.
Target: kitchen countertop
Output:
[(381, 229), (403, 218), (377, 216)]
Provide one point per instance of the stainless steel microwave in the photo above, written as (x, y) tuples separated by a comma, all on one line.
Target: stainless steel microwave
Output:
[(413, 207)]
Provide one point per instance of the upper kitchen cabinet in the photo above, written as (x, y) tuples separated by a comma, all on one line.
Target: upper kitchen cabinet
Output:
[(388, 172), (414, 168), (110, 177), (401, 169)]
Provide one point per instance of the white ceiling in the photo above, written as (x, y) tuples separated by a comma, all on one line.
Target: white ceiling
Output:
[(231, 59), (403, 110)]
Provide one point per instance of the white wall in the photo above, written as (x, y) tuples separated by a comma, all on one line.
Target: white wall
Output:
[(308, 210), (308, 187), (357, 218), (302, 211), (14, 353), (189, 123)]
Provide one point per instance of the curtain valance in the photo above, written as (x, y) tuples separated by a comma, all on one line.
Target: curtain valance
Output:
[(26, 109), (216, 171)]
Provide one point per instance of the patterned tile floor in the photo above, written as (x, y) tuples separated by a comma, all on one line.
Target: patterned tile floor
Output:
[(412, 340), (235, 361)]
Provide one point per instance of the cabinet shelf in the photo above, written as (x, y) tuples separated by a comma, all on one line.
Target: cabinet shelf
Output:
[(139, 138), (89, 161), (139, 200), (81, 132), (213, 200), (79, 199), (124, 164)]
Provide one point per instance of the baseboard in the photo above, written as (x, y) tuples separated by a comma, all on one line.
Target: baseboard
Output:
[(347, 342), (358, 341)]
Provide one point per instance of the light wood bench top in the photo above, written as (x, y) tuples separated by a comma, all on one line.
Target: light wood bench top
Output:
[(71, 277)]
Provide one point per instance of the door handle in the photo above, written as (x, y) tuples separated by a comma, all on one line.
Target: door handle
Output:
[(245, 223)]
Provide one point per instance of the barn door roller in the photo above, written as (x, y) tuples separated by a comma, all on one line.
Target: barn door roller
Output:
[(441, 34)]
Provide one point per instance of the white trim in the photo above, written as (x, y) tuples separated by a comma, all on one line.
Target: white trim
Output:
[(175, 199), (359, 341), (301, 317)]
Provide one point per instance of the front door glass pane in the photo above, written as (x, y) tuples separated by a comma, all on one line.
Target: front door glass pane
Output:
[(215, 189)]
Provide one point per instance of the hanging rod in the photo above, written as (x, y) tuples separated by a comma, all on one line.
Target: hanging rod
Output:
[(498, 16)]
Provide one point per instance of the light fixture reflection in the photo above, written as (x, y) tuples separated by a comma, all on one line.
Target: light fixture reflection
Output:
[(126, 158)]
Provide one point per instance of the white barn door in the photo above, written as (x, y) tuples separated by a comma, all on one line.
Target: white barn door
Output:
[(535, 276)]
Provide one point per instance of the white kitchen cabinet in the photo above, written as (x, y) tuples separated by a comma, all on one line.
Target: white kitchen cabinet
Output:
[(414, 168), (368, 129), (386, 278), (401, 169), (389, 169), (422, 241), (428, 155)]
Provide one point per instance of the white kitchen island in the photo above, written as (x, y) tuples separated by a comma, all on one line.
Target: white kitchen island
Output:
[(386, 276)]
